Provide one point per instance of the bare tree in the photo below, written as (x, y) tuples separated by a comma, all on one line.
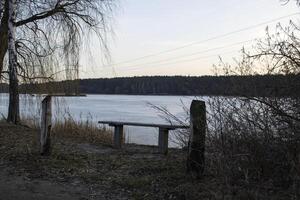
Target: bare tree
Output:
[(13, 115), (49, 35)]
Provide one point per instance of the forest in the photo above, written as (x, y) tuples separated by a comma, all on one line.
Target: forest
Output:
[(257, 85)]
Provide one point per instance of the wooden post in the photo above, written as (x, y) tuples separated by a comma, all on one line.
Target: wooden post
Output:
[(163, 140), (118, 136), (45, 137), (196, 159)]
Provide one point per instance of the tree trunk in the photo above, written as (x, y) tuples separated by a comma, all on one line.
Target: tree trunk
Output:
[(3, 36), (13, 109)]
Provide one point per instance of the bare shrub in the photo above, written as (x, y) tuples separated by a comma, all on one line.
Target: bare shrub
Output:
[(253, 141), (179, 137)]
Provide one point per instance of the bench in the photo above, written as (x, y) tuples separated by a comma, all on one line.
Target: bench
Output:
[(162, 138)]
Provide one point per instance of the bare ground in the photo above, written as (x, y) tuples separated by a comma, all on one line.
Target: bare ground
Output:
[(83, 171), (78, 170)]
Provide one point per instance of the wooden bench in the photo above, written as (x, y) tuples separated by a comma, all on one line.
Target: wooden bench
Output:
[(162, 138)]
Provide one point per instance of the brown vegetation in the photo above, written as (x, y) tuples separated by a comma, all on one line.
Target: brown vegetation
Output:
[(83, 131), (82, 170)]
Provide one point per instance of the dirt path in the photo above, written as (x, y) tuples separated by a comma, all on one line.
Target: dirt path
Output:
[(21, 188)]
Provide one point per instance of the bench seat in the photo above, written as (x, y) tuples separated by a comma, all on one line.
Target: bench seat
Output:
[(162, 138)]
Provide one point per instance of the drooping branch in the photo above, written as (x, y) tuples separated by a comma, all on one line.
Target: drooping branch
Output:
[(287, 1), (48, 38), (52, 28), (40, 16)]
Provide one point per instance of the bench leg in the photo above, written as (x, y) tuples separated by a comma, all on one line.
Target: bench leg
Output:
[(118, 137), (163, 140)]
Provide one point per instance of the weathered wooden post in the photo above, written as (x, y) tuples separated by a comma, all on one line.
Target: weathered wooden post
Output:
[(163, 136), (196, 158), (45, 136), (118, 136)]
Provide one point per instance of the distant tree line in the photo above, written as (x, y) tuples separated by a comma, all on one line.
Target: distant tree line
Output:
[(258, 85), (267, 85)]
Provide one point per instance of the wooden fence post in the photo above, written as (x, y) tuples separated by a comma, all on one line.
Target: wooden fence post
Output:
[(196, 158), (163, 140), (45, 136), (118, 136)]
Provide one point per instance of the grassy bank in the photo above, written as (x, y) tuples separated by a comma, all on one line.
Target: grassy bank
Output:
[(96, 171)]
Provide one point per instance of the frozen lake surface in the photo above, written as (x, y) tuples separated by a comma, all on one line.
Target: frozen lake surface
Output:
[(129, 108)]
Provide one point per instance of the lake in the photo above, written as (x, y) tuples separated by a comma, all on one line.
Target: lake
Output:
[(131, 108)]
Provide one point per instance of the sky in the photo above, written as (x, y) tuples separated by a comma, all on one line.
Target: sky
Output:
[(151, 37)]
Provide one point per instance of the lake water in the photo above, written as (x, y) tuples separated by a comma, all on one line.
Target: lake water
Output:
[(129, 108)]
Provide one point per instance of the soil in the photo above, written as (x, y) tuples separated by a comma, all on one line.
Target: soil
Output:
[(77, 170), (80, 170)]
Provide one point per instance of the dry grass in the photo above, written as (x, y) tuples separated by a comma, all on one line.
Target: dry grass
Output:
[(84, 131), (135, 172), (68, 128)]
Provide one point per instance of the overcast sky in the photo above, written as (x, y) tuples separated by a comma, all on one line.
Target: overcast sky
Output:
[(144, 27)]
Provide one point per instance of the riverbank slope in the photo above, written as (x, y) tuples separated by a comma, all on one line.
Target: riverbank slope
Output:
[(78, 170)]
